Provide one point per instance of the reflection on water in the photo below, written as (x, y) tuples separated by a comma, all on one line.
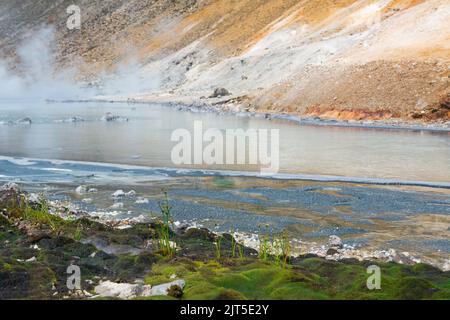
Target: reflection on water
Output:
[(145, 140)]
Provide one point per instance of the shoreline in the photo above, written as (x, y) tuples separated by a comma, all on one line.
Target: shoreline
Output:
[(228, 106), (341, 251), (161, 258)]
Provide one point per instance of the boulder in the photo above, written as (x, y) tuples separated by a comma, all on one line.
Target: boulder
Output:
[(131, 291), (220, 92), (118, 290)]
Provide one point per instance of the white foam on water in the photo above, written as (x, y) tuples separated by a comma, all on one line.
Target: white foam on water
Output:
[(57, 169), (18, 161), (231, 173)]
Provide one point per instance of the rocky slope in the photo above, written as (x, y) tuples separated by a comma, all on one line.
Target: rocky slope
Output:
[(345, 59)]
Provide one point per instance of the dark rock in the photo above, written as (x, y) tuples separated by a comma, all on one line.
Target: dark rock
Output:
[(332, 252), (109, 117), (25, 121), (220, 92), (203, 234)]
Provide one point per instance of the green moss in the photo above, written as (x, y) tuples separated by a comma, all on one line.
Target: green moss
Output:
[(163, 298), (229, 294), (312, 278), (415, 288), (130, 267)]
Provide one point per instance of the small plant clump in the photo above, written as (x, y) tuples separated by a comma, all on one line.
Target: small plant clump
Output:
[(41, 214), (276, 247), (77, 233), (217, 245), (233, 245), (166, 246), (264, 246)]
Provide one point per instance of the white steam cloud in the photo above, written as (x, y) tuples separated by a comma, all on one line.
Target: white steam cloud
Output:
[(36, 76), (129, 79)]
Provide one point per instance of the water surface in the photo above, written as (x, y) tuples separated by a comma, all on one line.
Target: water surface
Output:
[(145, 140)]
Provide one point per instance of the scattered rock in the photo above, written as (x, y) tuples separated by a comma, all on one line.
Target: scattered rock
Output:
[(109, 117), (76, 119), (117, 205), (118, 194), (35, 247), (332, 252), (121, 194), (131, 193), (81, 190), (335, 242), (446, 266), (71, 120), (34, 199), (24, 121), (141, 200), (10, 186)]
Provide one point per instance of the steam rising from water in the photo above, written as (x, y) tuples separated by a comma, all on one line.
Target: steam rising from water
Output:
[(129, 78), (37, 78)]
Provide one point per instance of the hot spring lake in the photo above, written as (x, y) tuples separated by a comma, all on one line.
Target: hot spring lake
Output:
[(323, 187)]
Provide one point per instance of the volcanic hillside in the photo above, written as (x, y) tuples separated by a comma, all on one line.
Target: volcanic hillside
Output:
[(342, 59)]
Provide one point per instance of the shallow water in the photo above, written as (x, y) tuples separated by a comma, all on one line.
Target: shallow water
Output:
[(406, 218), (145, 140)]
